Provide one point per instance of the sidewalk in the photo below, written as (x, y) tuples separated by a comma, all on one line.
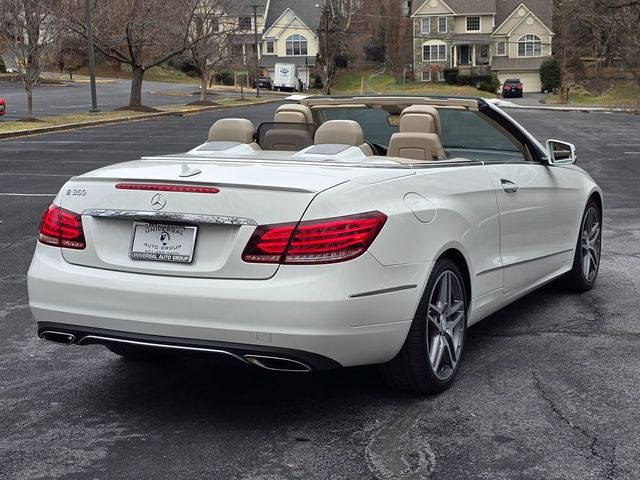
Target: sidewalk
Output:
[(499, 102)]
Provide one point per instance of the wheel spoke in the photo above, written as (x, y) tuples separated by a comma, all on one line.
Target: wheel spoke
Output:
[(433, 320), (594, 260), (585, 264), (595, 232), (454, 308), (451, 354), (435, 354), (443, 294), (436, 308), (452, 324)]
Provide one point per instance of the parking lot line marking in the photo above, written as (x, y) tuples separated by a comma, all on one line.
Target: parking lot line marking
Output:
[(13, 174), (5, 194), (632, 153)]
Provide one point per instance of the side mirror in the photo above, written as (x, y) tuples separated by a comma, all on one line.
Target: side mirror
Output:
[(561, 153)]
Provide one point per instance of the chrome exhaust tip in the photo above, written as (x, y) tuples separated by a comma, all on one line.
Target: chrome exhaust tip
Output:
[(278, 364), (58, 337)]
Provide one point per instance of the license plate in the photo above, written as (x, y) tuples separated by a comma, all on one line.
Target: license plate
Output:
[(163, 243)]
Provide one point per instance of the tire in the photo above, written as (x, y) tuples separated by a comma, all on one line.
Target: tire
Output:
[(412, 369), (586, 260), (141, 354)]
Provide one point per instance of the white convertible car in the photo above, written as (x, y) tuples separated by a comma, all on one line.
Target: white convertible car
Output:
[(348, 231)]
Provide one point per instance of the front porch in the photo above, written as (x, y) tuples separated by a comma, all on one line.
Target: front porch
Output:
[(471, 57)]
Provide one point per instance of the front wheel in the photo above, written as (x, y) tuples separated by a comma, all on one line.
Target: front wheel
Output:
[(586, 261), (431, 355)]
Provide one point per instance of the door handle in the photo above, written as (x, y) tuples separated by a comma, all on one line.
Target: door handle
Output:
[(508, 186)]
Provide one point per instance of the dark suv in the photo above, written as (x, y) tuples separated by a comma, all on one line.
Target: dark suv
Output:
[(264, 82), (512, 88)]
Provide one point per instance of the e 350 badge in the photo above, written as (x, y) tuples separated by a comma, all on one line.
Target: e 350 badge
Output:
[(76, 192)]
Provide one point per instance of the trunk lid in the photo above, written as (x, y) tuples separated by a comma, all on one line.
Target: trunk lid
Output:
[(249, 194)]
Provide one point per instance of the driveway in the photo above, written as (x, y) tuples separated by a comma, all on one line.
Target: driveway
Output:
[(529, 99)]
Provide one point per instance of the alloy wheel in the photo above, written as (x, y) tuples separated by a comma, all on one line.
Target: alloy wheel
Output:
[(445, 325), (590, 243)]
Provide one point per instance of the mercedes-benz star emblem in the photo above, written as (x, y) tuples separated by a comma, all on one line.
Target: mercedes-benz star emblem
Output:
[(158, 201)]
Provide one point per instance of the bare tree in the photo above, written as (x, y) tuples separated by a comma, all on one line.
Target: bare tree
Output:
[(211, 38), (141, 33), (623, 19), (337, 18), (29, 33)]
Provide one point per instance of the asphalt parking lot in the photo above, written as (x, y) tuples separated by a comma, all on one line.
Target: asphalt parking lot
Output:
[(549, 388)]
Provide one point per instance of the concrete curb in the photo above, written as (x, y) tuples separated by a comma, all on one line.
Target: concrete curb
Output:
[(574, 109), (144, 116)]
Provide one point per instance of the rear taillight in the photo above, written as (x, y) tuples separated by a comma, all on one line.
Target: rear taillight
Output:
[(519, 85), (316, 241), (61, 228)]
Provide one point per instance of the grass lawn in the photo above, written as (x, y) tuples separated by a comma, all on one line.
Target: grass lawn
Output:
[(15, 126), (349, 83), (79, 119), (160, 73), (624, 94)]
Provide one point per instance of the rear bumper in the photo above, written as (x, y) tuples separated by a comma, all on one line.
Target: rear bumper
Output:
[(302, 309), (271, 358)]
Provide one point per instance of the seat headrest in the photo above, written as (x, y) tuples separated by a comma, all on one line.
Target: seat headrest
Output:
[(418, 123), (232, 130), (340, 132), (293, 113), (413, 123)]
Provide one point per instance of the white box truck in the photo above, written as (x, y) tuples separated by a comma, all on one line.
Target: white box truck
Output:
[(286, 77)]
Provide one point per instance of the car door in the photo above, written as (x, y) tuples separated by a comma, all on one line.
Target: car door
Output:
[(538, 209)]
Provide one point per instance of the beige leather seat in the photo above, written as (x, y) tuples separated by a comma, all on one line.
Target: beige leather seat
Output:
[(342, 132), (289, 137), (419, 136), (238, 130), (416, 118), (293, 113)]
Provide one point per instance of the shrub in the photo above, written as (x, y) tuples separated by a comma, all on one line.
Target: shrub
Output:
[(490, 85), (450, 75), (550, 74)]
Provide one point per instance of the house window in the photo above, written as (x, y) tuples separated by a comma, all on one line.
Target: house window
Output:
[(244, 23), (434, 53), (425, 25), (270, 47), (501, 48), (473, 24), (442, 24), (530, 46), (440, 76), (426, 76), (296, 45)]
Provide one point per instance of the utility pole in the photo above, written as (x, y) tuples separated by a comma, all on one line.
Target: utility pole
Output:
[(326, 48), (92, 62), (255, 35)]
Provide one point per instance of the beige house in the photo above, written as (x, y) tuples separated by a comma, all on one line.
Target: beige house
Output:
[(290, 36), (508, 37)]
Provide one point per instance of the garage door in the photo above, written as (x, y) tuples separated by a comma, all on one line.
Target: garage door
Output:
[(530, 80)]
